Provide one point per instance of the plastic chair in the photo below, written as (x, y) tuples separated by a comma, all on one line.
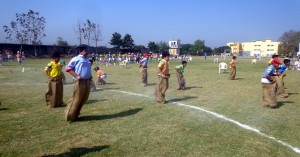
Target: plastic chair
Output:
[(216, 60), (222, 66)]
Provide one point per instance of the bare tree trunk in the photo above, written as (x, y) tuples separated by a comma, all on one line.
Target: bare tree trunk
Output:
[(21, 48), (35, 49), (96, 48)]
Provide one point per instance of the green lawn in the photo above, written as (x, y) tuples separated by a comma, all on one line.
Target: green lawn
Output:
[(214, 116)]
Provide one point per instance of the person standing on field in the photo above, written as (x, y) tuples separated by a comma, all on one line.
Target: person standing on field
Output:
[(179, 73), (296, 65), (163, 74), (54, 93), (80, 68), (143, 69), (19, 57), (279, 79), (232, 68), (269, 86)]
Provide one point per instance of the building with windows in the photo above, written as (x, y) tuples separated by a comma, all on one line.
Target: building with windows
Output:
[(255, 48), (174, 47), (236, 48)]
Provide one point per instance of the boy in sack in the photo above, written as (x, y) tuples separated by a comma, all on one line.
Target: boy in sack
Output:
[(54, 93), (179, 73)]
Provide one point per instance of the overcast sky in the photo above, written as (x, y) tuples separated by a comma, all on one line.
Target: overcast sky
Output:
[(215, 21)]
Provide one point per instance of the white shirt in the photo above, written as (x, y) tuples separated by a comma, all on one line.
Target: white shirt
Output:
[(297, 65), (264, 80)]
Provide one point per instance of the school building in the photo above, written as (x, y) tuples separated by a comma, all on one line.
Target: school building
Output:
[(263, 48)]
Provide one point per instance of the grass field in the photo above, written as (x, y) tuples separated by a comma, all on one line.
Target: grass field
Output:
[(212, 117)]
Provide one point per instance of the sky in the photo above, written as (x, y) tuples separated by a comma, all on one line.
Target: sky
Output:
[(217, 22)]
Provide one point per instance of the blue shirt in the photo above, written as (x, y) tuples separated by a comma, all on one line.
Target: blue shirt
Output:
[(282, 68), (144, 62), (270, 71), (81, 66)]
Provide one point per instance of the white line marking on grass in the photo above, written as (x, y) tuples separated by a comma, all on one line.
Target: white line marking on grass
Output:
[(247, 127), (244, 126)]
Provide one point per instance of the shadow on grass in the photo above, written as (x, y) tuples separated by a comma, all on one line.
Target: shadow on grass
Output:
[(110, 116), (224, 72), (282, 103), (188, 88), (63, 105), (80, 151), (93, 101), (68, 83), (108, 83), (3, 109), (293, 93), (239, 79), (181, 99), (151, 84)]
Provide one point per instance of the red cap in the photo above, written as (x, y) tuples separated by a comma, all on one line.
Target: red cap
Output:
[(276, 61), (146, 55)]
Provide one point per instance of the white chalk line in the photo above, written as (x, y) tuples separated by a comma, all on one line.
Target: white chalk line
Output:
[(244, 126)]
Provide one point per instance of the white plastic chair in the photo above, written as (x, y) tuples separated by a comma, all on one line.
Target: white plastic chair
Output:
[(216, 60), (222, 66)]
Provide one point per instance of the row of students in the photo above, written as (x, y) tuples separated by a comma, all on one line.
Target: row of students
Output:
[(80, 68)]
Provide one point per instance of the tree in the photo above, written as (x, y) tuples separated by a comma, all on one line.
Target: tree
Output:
[(36, 25), (199, 46), (88, 29), (186, 48), (163, 46), (61, 42), (96, 35), (127, 42), (289, 42), (27, 27), (79, 31), (139, 47), (152, 46), (116, 40), (221, 49), (207, 49)]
